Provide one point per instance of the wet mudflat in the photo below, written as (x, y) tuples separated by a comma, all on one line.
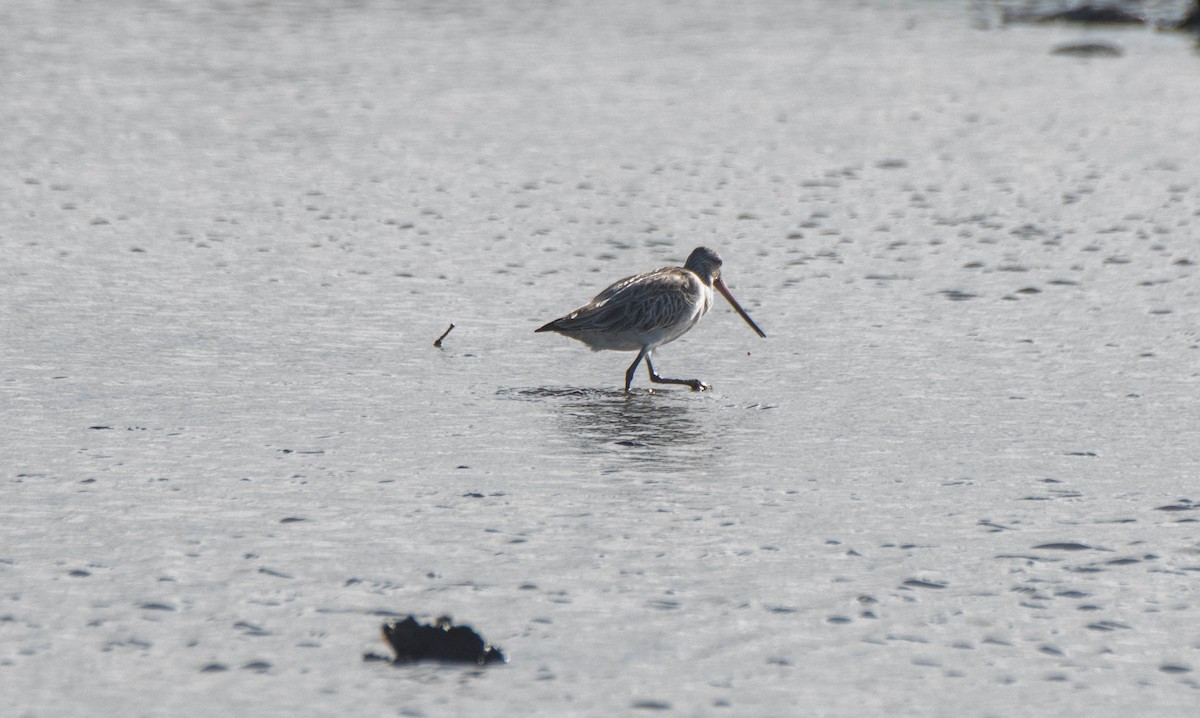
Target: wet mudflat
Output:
[(960, 476)]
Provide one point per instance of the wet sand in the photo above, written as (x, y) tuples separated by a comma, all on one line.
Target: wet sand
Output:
[(958, 478)]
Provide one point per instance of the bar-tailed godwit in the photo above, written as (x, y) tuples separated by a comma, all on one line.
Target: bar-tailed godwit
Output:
[(645, 311)]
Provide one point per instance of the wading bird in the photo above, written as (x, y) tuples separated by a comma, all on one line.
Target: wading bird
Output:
[(645, 311)]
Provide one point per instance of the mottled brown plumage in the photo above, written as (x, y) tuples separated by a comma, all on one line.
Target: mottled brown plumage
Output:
[(645, 311)]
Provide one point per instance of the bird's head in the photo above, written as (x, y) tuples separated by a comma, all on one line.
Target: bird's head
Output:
[(706, 263)]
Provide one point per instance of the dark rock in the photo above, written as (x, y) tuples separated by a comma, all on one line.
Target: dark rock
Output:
[(443, 641)]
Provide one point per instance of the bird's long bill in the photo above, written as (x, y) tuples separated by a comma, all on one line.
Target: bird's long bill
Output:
[(720, 285)]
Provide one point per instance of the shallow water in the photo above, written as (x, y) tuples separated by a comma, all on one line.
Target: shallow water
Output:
[(958, 477)]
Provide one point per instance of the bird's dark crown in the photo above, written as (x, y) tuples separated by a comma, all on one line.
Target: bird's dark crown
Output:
[(705, 262)]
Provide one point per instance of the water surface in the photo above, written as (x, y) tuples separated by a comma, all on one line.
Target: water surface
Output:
[(957, 478)]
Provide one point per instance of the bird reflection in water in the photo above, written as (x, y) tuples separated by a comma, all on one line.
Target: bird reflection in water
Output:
[(653, 429)]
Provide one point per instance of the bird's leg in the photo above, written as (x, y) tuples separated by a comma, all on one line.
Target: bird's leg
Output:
[(633, 367), (696, 384)]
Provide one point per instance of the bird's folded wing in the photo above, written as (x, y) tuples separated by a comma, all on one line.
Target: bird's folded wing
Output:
[(640, 307)]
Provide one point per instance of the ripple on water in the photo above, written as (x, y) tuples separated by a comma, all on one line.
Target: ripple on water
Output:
[(659, 429)]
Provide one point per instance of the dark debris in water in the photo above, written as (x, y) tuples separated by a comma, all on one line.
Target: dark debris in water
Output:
[(438, 342), (442, 641)]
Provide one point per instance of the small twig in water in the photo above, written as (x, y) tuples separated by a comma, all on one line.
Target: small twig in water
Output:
[(438, 343)]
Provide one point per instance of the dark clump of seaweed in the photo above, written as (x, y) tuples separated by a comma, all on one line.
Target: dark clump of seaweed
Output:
[(442, 641)]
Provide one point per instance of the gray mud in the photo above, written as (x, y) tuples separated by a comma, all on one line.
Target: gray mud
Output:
[(959, 478)]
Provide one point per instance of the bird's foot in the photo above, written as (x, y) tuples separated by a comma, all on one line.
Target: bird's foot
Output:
[(698, 385)]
